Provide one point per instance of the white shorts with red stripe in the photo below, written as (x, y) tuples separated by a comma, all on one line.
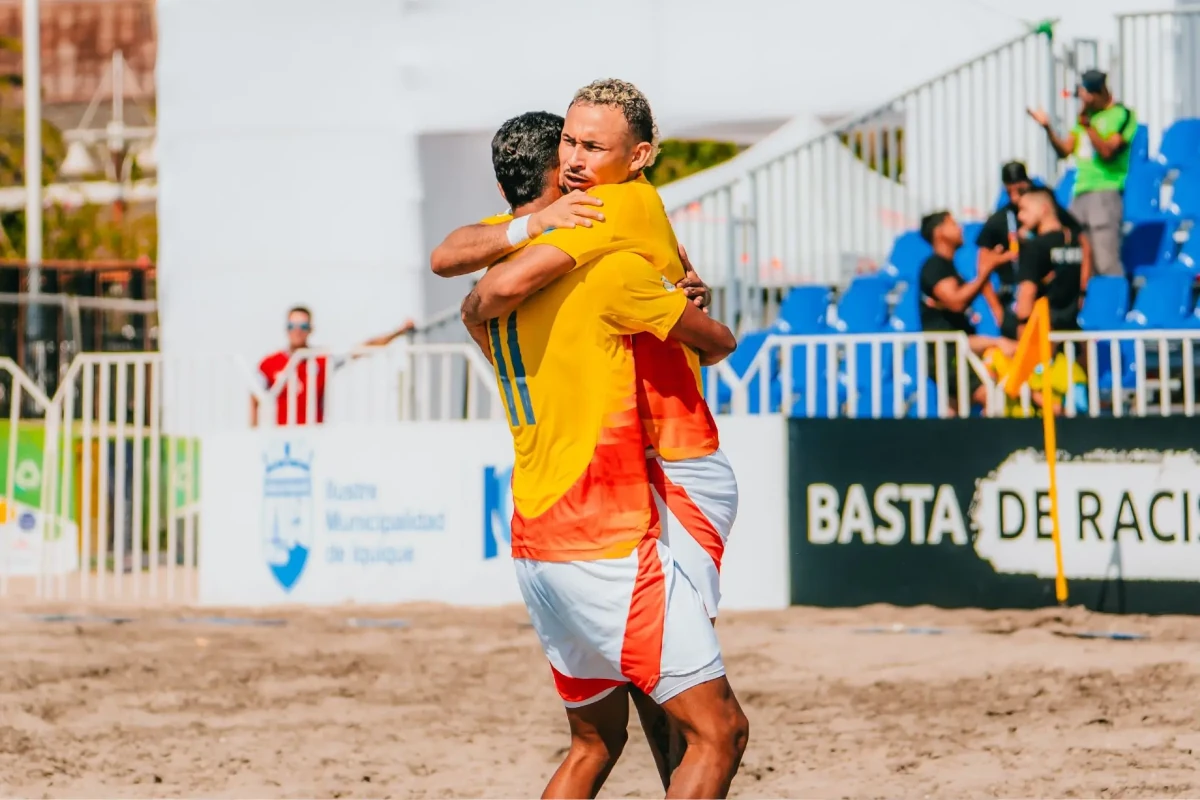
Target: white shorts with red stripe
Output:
[(606, 623), (697, 501)]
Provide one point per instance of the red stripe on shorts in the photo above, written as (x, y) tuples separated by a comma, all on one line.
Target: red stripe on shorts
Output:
[(687, 512), (641, 653), (577, 690)]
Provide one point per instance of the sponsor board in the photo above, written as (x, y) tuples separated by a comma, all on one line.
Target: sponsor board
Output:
[(326, 515), (957, 512)]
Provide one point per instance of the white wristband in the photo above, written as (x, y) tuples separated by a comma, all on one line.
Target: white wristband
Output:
[(518, 231)]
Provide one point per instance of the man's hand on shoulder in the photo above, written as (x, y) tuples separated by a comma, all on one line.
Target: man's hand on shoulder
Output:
[(574, 209)]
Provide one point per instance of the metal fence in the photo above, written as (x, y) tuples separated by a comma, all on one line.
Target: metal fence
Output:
[(1158, 67), (102, 481), (804, 208)]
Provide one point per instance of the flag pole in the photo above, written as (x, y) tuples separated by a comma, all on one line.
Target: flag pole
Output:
[(1042, 312)]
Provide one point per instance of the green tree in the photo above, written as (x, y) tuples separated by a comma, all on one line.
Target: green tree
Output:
[(678, 158)]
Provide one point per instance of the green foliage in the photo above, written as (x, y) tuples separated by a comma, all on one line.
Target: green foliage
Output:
[(874, 148), (678, 159)]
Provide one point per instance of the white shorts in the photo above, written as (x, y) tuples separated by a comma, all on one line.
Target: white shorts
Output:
[(605, 623), (697, 497)]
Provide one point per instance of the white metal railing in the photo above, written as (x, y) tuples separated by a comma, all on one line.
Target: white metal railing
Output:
[(1124, 373), (1159, 67), (815, 208), (856, 375), (102, 485)]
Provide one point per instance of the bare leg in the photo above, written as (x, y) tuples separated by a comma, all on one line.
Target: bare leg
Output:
[(716, 732), (598, 734), (659, 734)]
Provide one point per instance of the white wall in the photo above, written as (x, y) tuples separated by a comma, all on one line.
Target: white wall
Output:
[(293, 168)]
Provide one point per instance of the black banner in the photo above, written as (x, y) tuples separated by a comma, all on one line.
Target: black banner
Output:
[(955, 513)]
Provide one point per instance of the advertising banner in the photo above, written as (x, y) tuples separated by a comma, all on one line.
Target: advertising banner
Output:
[(957, 513), (421, 512)]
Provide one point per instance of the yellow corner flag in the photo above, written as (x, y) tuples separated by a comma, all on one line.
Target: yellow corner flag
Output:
[(1034, 349)]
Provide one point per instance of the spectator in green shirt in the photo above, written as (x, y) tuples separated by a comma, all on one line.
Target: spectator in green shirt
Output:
[(1100, 143)]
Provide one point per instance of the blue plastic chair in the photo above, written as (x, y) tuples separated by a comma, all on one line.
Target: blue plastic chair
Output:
[(1106, 304), (1189, 255), (966, 261), (1139, 148), (909, 252), (970, 231), (1164, 302), (1064, 192), (1149, 245), (863, 308), (1185, 196), (1142, 191), (740, 362), (906, 316), (1180, 146), (804, 309)]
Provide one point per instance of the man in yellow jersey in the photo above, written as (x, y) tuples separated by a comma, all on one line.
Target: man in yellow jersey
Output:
[(605, 596), (608, 139)]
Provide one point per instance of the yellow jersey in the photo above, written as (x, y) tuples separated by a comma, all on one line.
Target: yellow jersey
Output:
[(564, 369), (671, 406)]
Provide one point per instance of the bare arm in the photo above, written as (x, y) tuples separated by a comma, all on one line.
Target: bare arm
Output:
[(704, 334), (506, 285), (473, 247), (1064, 145), (387, 338), (957, 297), (1026, 295), (253, 411), (1105, 148), (1085, 269), (480, 336)]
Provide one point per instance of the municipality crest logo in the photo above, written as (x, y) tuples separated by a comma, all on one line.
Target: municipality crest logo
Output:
[(287, 520), (497, 510)]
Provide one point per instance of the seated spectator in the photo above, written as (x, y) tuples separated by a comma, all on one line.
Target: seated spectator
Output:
[(1050, 264), (1001, 237), (946, 299)]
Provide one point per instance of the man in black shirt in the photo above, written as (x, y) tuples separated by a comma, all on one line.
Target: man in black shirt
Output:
[(946, 298), (1051, 263), (1002, 237)]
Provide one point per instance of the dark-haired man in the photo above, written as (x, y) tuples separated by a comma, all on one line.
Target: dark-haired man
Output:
[(1100, 143), (1000, 240), (946, 301), (291, 405), (605, 595), (1050, 263)]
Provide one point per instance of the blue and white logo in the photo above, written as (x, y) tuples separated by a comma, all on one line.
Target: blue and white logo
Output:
[(497, 510), (287, 523)]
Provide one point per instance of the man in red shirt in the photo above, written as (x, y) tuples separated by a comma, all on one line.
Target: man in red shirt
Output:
[(273, 369)]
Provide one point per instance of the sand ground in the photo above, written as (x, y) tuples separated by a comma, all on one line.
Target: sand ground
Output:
[(460, 704)]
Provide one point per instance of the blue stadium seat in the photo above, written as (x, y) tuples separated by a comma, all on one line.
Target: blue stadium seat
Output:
[(803, 310), (1164, 302), (1139, 148), (1142, 191), (982, 318), (1185, 194), (1193, 322), (1064, 192), (909, 252), (1106, 304), (906, 316), (970, 231), (1180, 146), (740, 362), (863, 308), (966, 261), (909, 408), (1148, 245), (1189, 254)]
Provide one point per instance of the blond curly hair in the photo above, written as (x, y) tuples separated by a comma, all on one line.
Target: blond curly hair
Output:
[(617, 93)]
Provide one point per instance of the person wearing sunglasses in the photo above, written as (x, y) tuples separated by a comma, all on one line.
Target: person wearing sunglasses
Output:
[(274, 369)]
